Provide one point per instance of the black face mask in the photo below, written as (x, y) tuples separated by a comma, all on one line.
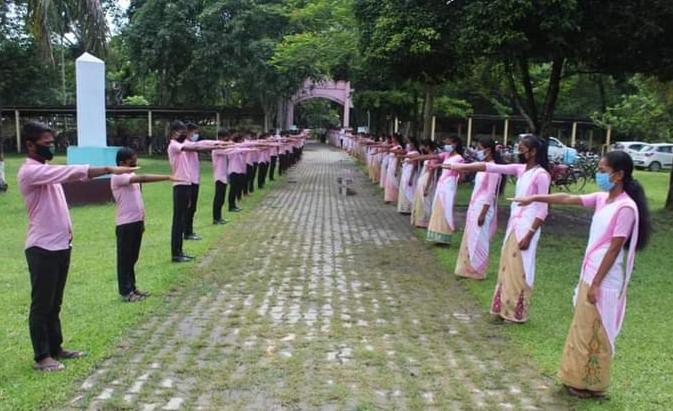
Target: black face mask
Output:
[(522, 158), (46, 152), (181, 138)]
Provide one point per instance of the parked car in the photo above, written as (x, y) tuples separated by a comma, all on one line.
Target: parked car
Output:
[(654, 157), (558, 151), (629, 147)]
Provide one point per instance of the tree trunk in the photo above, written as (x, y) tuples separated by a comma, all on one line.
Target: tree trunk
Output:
[(3, 181), (427, 112), (531, 105), (669, 199), (552, 95), (516, 99)]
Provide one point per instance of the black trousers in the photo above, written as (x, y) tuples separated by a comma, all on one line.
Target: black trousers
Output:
[(261, 174), (236, 181), (193, 201), (129, 237), (218, 200), (248, 176), (48, 275), (251, 183), (181, 197), (281, 164), (272, 166)]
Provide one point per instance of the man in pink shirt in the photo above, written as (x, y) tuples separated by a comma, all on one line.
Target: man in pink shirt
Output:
[(49, 238), (182, 184), (221, 177), (130, 222), (195, 173)]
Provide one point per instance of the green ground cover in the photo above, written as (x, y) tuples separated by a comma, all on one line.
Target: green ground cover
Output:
[(93, 317), (641, 375)]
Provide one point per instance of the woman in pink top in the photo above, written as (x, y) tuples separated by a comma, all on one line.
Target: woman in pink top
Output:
[(516, 272), (442, 225), (130, 222), (481, 221), (620, 227), (49, 240)]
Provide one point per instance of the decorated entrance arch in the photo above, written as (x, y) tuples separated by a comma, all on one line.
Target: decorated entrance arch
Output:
[(339, 91)]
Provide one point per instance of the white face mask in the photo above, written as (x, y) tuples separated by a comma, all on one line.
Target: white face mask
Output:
[(448, 148)]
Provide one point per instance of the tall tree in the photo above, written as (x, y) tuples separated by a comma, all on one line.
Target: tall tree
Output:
[(414, 39), (571, 37), (84, 19)]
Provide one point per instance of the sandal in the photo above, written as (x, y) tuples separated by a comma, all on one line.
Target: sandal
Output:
[(142, 293), (71, 354), (132, 297), (49, 367)]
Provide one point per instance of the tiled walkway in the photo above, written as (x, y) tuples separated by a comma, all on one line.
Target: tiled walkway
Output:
[(318, 301)]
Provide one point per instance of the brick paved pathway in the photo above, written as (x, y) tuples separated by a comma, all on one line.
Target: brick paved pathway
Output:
[(317, 301)]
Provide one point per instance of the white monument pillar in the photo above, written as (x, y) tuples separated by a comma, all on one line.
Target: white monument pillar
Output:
[(90, 78), (91, 135)]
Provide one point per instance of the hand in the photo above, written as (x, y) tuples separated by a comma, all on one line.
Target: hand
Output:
[(176, 179), (523, 201), (525, 241), (592, 294), (480, 220), (121, 170)]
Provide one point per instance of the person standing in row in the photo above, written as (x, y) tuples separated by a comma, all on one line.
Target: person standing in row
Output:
[(182, 186), (620, 227), (237, 170), (221, 177), (49, 240), (516, 271), (405, 199), (481, 221), (425, 189), (130, 222), (195, 173)]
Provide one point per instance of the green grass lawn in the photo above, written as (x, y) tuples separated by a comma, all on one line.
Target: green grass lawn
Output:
[(93, 317), (642, 375)]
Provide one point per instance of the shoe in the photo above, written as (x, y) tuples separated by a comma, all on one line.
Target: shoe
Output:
[(142, 293), (132, 297), (220, 221), (191, 257), (192, 237), (235, 210), (181, 259)]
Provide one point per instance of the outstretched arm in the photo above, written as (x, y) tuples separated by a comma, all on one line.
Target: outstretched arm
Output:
[(558, 198), (151, 178)]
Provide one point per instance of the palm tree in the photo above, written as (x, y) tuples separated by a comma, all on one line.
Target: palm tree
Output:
[(45, 19)]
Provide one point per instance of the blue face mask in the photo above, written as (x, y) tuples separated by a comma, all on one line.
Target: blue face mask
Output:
[(481, 155), (448, 148), (194, 137), (603, 181)]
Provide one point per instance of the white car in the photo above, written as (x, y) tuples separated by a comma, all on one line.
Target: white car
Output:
[(629, 147), (654, 156), (557, 150)]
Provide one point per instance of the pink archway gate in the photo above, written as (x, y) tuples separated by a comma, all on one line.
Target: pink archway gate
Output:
[(337, 91)]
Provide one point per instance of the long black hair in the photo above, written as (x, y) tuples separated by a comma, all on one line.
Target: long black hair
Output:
[(457, 144), (489, 143), (620, 161), (542, 148)]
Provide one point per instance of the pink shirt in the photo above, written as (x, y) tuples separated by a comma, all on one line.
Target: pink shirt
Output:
[(236, 160), (540, 184), (129, 200), (220, 166), (193, 164), (49, 225), (179, 163)]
